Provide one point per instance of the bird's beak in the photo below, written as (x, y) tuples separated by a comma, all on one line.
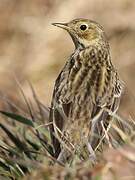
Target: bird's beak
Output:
[(62, 25)]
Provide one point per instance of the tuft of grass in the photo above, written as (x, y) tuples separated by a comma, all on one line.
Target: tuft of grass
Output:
[(24, 144)]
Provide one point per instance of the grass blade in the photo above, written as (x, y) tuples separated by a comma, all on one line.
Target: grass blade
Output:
[(18, 118)]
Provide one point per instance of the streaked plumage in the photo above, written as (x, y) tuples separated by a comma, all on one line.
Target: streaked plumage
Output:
[(87, 84)]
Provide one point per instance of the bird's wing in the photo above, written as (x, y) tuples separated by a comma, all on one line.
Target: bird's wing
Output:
[(59, 110), (103, 115)]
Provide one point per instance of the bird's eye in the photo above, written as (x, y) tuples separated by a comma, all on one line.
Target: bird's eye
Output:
[(83, 27)]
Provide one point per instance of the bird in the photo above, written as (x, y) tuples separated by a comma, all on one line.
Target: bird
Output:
[(86, 92)]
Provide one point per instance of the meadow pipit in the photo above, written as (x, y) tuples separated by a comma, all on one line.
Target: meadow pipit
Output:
[(87, 86)]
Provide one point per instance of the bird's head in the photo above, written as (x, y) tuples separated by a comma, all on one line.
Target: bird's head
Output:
[(84, 32)]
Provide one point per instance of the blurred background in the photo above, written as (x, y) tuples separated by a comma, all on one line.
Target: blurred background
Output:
[(32, 49)]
